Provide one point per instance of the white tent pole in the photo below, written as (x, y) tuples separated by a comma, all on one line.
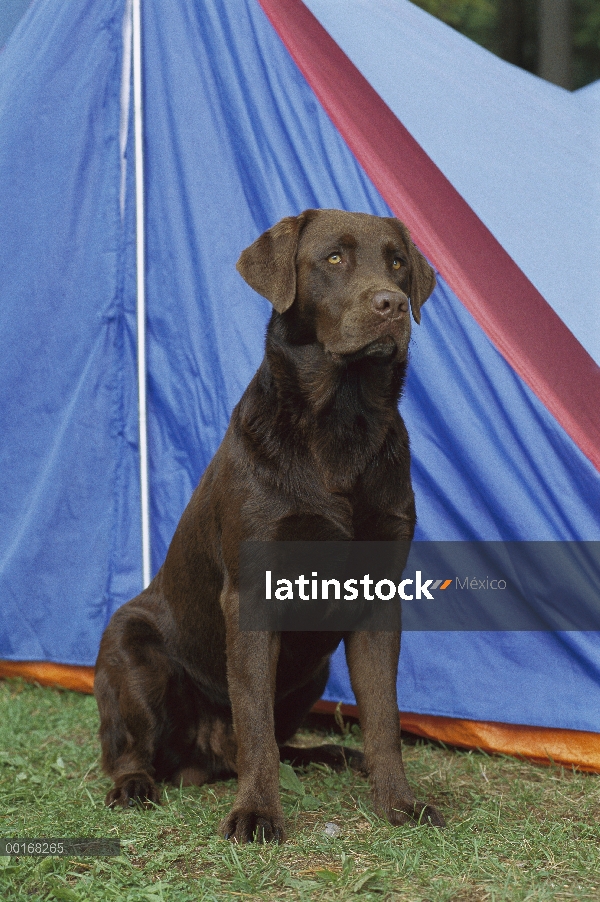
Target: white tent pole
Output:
[(141, 291)]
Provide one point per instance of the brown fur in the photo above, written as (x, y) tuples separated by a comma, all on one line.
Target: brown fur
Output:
[(315, 450)]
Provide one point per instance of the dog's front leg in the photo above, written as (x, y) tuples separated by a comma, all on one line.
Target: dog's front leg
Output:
[(251, 667), (373, 664)]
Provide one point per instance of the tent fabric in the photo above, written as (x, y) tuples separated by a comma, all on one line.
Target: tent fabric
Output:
[(68, 443), (235, 138), (12, 11)]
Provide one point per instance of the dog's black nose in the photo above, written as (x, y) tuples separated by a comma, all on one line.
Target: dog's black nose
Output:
[(389, 303)]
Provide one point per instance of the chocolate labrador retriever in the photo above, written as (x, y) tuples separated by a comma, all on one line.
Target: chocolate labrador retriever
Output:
[(315, 449)]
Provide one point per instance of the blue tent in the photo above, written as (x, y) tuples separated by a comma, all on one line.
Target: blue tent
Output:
[(240, 129)]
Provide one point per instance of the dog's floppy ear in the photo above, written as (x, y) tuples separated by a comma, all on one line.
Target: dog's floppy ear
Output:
[(269, 265), (422, 281), (422, 276)]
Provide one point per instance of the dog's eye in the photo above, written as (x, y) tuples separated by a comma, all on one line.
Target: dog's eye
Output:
[(396, 263), (334, 258)]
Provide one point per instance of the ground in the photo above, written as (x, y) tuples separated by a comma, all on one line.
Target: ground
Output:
[(516, 831)]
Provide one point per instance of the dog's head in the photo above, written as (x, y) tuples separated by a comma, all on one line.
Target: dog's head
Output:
[(343, 279)]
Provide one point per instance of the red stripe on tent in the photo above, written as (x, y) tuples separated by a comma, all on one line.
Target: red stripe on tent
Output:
[(521, 324)]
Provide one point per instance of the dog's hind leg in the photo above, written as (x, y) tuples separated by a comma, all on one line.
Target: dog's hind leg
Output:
[(131, 682), (335, 756), (292, 709), (290, 714), (213, 754)]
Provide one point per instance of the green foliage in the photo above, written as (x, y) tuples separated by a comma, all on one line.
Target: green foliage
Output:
[(586, 41), (515, 831), (484, 21), (477, 19)]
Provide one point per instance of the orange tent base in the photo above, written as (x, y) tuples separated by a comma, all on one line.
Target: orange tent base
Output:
[(81, 679), (543, 745), (570, 748)]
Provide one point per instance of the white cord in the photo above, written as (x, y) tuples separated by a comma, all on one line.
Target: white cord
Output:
[(141, 296)]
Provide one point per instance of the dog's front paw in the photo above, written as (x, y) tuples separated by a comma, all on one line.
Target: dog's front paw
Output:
[(136, 789), (243, 825)]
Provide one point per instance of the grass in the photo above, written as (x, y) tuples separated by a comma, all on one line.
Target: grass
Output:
[(515, 831)]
